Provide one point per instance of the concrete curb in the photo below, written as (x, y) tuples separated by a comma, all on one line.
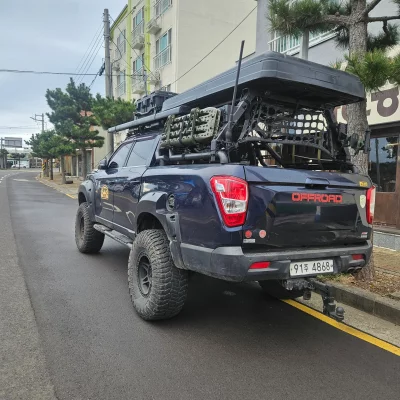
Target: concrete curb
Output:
[(368, 302)]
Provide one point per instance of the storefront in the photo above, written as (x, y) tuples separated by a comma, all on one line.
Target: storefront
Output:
[(384, 163)]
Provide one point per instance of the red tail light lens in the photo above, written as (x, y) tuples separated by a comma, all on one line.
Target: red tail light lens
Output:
[(370, 206), (260, 265), (357, 257), (232, 196)]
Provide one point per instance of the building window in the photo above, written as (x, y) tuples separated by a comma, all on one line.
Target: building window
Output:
[(383, 162), (163, 50), (121, 43), (291, 45), (138, 65), (121, 83), (161, 6), (138, 23)]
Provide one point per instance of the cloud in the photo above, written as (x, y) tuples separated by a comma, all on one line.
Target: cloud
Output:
[(44, 35)]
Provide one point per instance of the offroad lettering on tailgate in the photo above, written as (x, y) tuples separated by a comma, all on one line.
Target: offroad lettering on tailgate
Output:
[(317, 198)]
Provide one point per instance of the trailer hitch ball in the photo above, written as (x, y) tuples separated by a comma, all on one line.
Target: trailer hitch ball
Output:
[(340, 313), (307, 294)]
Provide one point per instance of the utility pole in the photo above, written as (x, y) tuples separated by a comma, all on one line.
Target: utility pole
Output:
[(41, 119), (109, 92), (263, 35), (304, 44), (145, 80)]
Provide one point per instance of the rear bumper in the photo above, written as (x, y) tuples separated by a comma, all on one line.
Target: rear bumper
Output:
[(232, 264)]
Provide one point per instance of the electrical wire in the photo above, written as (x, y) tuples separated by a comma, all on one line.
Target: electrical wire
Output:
[(223, 40), (89, 47), (20, 71), (18, 127), (90, 54), (137, 54), (94, 55)]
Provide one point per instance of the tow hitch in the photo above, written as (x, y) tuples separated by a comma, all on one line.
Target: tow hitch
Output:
[(325, 290), (329, 306)]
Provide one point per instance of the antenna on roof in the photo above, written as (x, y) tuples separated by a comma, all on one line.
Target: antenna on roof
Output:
[(228, 135)]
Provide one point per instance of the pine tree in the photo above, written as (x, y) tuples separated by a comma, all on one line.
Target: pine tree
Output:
[(73, 118), (111, 112)]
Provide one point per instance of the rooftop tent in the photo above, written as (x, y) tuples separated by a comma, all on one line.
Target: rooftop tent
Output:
[(284, 78)]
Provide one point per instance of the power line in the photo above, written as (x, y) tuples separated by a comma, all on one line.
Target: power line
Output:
[(223, 40), (89, 47), (88, 56), (18, 127), (19, 71), (93, 56)]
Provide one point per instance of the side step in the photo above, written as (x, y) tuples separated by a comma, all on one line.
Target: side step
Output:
[(119, 237)]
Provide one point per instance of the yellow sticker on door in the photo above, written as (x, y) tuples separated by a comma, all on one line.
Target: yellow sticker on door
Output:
[(104, 192)]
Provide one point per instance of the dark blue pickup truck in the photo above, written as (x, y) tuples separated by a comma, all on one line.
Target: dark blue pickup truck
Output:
[(263, 190)]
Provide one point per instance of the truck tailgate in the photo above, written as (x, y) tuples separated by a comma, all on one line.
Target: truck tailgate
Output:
[(297, 209)]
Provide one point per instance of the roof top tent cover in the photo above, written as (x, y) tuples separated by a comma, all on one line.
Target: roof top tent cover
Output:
[(286, 79)]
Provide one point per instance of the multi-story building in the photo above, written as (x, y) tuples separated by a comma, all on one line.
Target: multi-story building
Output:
[(156, 43), (383, 113)]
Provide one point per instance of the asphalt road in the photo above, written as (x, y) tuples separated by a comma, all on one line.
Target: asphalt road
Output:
[(230, 341)]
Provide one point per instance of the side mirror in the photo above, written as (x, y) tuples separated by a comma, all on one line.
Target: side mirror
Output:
[(103, 164)]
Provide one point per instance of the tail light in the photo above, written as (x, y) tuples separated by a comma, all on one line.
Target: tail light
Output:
[(370, 204), (232, 195), (260, 265)]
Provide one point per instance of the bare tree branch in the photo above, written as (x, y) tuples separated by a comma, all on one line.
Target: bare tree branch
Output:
[(371, 6), (336, 19), (382, 19)]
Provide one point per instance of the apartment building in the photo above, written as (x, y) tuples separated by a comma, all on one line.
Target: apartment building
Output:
[(156, 42), (383, 114)]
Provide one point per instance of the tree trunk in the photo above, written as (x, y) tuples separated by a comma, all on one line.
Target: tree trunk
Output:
[(51, 169), (62, 170), (357, 113), (46, 169), (84, 163)]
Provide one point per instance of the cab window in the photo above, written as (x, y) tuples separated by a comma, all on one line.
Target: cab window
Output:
[(141, 152), (119, 157)]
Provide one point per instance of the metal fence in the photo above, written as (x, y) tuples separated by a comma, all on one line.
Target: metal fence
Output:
[(163, 58)]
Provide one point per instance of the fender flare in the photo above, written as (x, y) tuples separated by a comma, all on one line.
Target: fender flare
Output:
[(154, 203), (88, 190)]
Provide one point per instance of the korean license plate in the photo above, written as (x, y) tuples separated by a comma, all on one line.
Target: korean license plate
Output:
[(315, 267)]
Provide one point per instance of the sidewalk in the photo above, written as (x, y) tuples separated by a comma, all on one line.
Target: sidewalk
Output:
[(71, 190), (387, 237)]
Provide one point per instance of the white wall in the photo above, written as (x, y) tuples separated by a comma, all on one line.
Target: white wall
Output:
[(201, 26)]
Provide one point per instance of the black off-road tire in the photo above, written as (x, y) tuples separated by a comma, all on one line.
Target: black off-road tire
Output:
[(165, 294), (87, 239), (275, 289)]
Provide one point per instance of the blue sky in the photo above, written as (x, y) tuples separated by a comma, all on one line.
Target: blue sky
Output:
[(45, 35)]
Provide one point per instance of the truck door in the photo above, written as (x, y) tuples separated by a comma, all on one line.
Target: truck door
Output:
[(105, 179), (128, 183)]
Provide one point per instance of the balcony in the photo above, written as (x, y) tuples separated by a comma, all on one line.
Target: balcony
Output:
[(154, 77), (153, 26), (121, 89), (138, 36), (138, 85), (163, 58), (161, 6), (291, 45)]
